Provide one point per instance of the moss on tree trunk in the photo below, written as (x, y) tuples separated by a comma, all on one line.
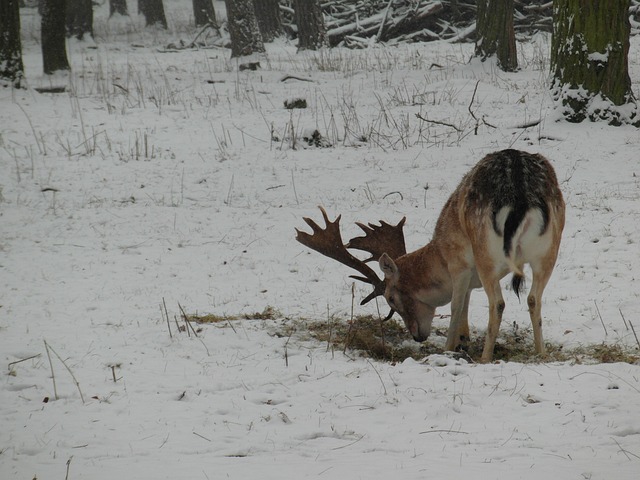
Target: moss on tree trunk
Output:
[(589, 61)]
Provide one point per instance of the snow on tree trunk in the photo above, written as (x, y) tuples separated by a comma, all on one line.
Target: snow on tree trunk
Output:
[(269, 20), (119, 7), (204, 13), (312, 33), (243, 28), (11, 67), (79, 18), (54, 51), (153, 11), (495, 33), (589, 61)]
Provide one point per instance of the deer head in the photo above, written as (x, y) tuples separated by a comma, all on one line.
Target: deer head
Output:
[(378, 240)]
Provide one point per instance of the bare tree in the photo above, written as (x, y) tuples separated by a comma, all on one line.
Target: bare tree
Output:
[(495, 35), (243, 28), (153, 11), (312, 34), (589, 61), (119, 7), (54, 50), (79, 18), (204, 13), (269, 19)]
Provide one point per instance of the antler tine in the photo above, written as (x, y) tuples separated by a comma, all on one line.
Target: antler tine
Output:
[(328, 241), (379, 239)]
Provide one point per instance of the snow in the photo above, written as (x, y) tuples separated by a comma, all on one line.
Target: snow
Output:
[(173, 176)]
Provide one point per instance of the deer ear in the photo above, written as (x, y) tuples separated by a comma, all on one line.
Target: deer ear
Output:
[(388, 267)]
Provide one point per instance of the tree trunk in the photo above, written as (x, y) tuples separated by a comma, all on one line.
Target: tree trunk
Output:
[(243, 28), (312, 34), (79, 18), (11, 67), (589, 61), (269, 20), (119, 7), (204, 13), (495, 34), (54, 52), (153, 11)]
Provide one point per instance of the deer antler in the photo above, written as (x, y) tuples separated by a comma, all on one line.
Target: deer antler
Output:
[(377, 239)]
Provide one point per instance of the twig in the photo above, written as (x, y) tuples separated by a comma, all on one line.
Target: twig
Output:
[(471, 102), (75, 380), (186, 320), (291, 77), (23, 360), (348, 339), (286, 344), (53, 375), (384, 19), (436, 122), (378, 373), (293, 183), (625, 452), (66, 477), (624, 320), (601, 321), (167, 315), (634, 333), (443, 431), (201, 436), (349, 444)]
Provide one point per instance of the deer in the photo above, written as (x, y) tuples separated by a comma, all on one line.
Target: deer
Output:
[(506, 212)]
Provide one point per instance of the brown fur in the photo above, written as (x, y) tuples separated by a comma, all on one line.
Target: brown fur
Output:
[(507, 211)]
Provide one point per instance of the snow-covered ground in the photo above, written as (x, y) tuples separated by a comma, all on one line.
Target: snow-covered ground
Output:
[(171, 175)]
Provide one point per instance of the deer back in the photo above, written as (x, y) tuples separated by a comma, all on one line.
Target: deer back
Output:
[(497, 193)]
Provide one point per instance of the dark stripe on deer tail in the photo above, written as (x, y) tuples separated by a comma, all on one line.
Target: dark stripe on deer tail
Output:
[(520, 205), (517, 284)]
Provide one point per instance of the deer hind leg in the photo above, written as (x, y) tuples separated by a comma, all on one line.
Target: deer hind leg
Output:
[(541, 273), (491, 284), (496, 308)]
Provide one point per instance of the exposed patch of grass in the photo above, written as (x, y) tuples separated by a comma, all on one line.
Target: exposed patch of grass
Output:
[(389, 341), (369, 336), (269, 313)]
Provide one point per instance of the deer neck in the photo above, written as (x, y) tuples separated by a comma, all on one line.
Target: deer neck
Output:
[(425, 273)]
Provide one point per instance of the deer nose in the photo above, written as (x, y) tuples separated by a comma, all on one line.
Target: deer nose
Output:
[(419, 338)]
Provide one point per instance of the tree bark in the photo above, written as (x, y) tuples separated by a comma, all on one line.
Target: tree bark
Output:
[(495, 34), (204, 13), (54, 52), (243, 28), (269, 19), (11, 67), (119, 7), (589, 61), (153, 11), (312, 34), (79, 18)]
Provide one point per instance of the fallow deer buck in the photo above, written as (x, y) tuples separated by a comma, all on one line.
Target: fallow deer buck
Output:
[(506, 212)]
